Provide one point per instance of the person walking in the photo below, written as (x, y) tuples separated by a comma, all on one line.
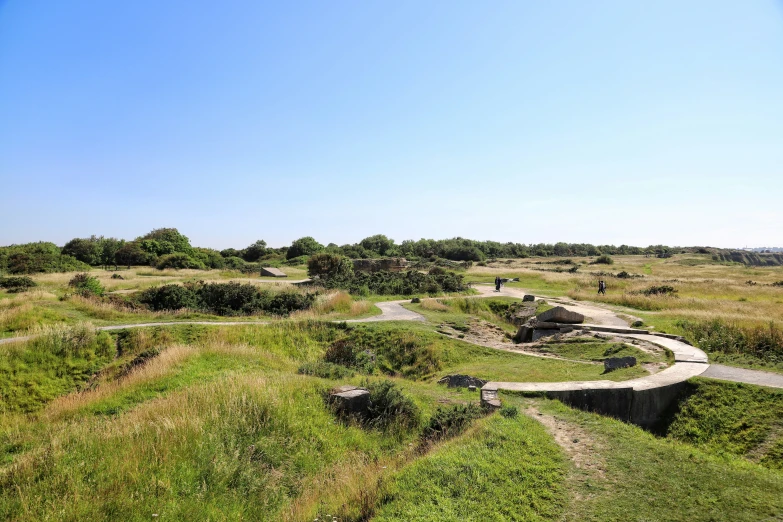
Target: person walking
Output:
[(601, 287), (497, 283)]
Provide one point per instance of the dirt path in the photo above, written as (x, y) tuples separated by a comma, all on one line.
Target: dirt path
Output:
[(577, 443)]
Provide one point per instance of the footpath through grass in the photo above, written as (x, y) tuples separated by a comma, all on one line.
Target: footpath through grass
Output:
[(644, 478), (503, 469)]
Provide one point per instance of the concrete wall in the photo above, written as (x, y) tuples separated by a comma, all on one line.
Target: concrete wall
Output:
[(645, 408)]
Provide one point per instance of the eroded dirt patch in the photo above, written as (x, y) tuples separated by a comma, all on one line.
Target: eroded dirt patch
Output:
[(578, 444)]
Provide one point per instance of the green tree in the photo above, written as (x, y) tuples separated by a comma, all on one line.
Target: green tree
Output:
[(378, 243), (255, 251), (304, 246), (163, 241), (86, 250), (132, 254)]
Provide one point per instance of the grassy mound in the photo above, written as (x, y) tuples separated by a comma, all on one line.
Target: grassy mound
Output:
[(735, 419)]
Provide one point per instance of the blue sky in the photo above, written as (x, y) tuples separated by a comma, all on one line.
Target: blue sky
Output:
[(601, 122)]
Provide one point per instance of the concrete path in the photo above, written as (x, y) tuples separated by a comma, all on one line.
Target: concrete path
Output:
[(730, 373), (391, 311)]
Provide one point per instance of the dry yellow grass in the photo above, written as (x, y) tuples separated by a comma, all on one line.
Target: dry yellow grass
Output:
[(705, 290), (434, 305)]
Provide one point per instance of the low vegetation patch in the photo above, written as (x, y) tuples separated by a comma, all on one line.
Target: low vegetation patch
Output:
[(228, 299), (389, 351), (663, 290), (86, 285), (17, 284), (325, 370), (761, 344), (58, 360), (389, 408), (603, 260), (500, 469), (724, 417), (449, 422)]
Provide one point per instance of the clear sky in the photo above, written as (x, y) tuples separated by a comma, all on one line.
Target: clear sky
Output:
[(528, 121)]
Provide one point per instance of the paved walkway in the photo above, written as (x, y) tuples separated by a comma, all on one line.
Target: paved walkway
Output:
[(730, 373)]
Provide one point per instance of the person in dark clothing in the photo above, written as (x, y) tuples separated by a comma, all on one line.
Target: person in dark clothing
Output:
[(602, 287), (497, 284)]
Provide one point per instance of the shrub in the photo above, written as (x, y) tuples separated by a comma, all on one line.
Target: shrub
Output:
[(117, 276), (235, 263), (777, 283), (286, 303), (765, 343), (177, 261), (169, 297), (86, 285), (347, 353), (331, 266), (660, 290), (623, 275), (448, 422), (17, 284), (325, 370), (603, 260), (230, 298), (385, 282), (390, 407), (509, 412)]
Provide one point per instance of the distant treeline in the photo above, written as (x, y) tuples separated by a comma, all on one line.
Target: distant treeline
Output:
[(168, 248)]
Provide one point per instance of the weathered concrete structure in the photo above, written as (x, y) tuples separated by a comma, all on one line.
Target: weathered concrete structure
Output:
[(559, 314), (272, 272), (641, 401), (350, 400), (461, 381)]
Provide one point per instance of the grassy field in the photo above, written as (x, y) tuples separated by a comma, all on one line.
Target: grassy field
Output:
[(592, 350), (52, 302), (629, 475), (705, 290), (216, 423)]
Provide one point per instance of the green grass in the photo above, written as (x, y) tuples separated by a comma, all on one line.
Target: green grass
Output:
[(732, 418), (535, 283), (462, 311), (241, 448), (591, 350), (220, 426), (646, 478), (502, 469)]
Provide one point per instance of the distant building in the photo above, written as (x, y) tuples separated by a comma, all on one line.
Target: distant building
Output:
[(272, 272)]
